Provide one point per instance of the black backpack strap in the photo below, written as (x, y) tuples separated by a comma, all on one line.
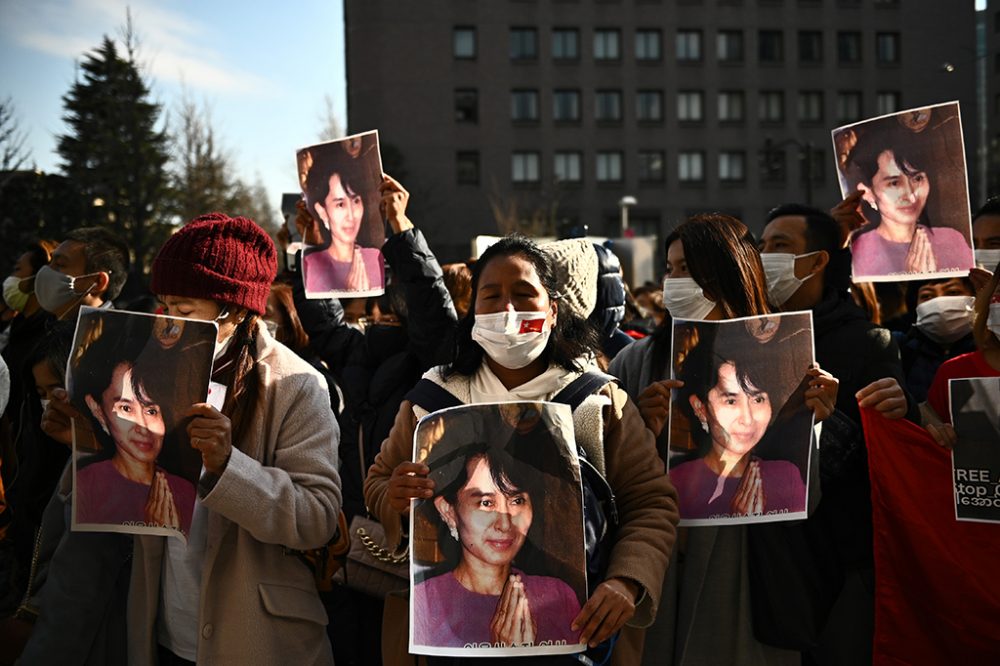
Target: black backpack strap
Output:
[(582, 387), (431, 396)]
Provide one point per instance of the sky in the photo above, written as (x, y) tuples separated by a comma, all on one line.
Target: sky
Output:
[(263, 69)]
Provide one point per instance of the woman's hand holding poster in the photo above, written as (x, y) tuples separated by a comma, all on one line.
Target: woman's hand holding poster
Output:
[(740, 426), (975, 459), (497, 553), (132, 378), (910, 169), (340, 184)]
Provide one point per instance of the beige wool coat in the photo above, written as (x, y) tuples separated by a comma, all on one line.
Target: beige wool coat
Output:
[(280, 489)]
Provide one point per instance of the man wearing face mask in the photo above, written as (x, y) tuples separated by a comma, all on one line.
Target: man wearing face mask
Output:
[(808, 269), (986, 234), (942, 330), (88, 268)]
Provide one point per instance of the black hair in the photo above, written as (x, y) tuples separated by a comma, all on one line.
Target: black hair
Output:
[(822, 235), (572, 337), (991, 207), (39, 254), (104, 252)]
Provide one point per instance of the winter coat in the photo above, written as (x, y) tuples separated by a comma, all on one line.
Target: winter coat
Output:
[(923, 356), (279, 491)]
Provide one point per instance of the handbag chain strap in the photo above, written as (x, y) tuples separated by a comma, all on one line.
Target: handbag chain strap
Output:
[(377, 551)]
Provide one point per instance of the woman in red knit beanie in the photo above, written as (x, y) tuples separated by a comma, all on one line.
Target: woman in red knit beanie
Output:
[(237, 593)]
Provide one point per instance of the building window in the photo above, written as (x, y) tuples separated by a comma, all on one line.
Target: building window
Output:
[(565, 43), (649, 105), (729, 46), (848, 106), (608, 106), (464, 43), (811, 106), (771, 46), (771, 106), (691, 166), (467, 168), (523, 44), (466, 105), (849, 48), (566, 106), (732, 166), (524, 167), (887, 102), (568, 167), (607, 45), (609, 167), (688, 45), (647, 45), (689, 106), (810, 46), (887, 48), (814, 166), (731, 106), (524, 105), (651, 166)]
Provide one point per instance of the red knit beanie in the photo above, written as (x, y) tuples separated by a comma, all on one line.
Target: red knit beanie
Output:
[(221, 258)]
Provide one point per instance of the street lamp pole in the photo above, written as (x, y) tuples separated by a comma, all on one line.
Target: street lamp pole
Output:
[(624, 204)]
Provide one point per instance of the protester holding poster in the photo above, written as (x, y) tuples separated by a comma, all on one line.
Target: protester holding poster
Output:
[(713, 261), (910, 167), (505, 517), (517, 343), (239, 593), (340, 182), (742, 396)]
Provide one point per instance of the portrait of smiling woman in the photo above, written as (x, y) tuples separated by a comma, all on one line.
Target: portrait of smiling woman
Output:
[(900, 164), (742, 389), (498, 569), (340, 182), (130, 385)]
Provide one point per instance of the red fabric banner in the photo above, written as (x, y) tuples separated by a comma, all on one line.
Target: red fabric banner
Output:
[(937, 580)]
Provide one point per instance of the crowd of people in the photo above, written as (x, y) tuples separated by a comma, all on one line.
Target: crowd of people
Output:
[(318, 420)]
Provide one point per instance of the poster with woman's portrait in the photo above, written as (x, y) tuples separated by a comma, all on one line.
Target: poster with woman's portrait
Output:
[(910, 168), (740, 441), (497, 563), (340, 181), (132, 377), (975, 460)]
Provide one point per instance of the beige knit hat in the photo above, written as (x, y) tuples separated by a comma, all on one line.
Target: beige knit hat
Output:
[(575, 262)]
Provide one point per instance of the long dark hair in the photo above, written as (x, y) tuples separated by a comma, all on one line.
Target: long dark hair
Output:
[(244, 380), (722, 257), (571, 338)]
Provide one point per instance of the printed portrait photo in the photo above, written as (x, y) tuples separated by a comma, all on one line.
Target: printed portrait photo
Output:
[(339, 182), (975, 460), (910, 167), (741, 433), (498, 554), (134, 376)]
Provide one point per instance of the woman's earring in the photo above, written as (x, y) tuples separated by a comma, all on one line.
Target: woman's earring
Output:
[(454, 532), (704, 426)]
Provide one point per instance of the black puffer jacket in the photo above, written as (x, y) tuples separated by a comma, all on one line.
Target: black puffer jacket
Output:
[(376, 369), (610, 308)]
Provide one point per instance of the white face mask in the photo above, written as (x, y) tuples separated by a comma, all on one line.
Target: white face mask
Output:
[(512, 339), (55, 290), (779, 269), (945, 319), (684, 299), (993, 321), (221, 347), (12, 293), (45, 404), (988, 259)]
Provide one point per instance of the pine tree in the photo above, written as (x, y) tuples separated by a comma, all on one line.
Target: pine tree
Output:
[(114, 153)]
